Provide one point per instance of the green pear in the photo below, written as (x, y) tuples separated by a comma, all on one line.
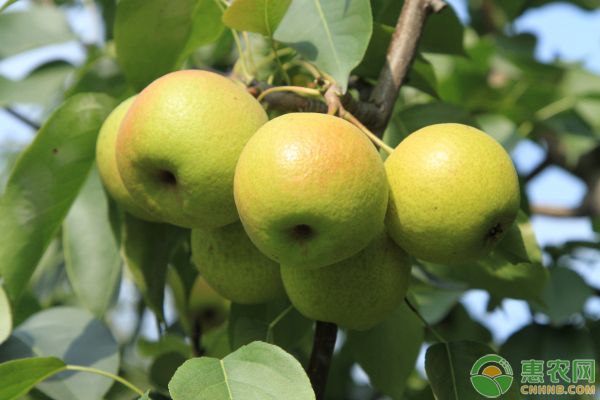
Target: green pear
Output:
[(179, 143), (206, 306), (106, 160), (356, 293), (234, 267), (454, 193), (310, 190)]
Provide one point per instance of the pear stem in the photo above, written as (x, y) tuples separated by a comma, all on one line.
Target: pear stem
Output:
[(320, 359), (296, 89)]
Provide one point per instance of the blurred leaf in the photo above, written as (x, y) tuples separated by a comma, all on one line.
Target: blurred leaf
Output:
[(147, 248), (395, 342), (44, 183), (260, 16), (7, 4), (275, 322), (416, 117), (101, 74), (6, 320), (216, 342), (25, 30), (92, 256), (448, 367), (150, 36), (18, 377), (168, 343), (74, 336), (386, 11), (40, 87), (501, 128), (256, 371), (443, 33), (434, 303), (541, 342), (333, 35), (565, 294), (207, 26), (458, 325)]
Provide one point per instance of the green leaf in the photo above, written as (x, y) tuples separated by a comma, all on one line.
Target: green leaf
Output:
[(434, 303), (100, 74), (150, 36), (42, 86), (333, 35), (44, 183), (503, 273), (146, 396), (6, 319), (448, 367), (7, 4), (163, 368), (147, 248), (168, 343), (275, 322), (565, 294), (458, 325), (207, 26), (18, 377), (395, 342), (92, 258), (256, 371), (519, 244), (77, 338), (443, 33), (501, 128), (25, 30), (260, 16)]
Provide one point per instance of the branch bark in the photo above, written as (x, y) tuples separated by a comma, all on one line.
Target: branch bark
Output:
[(22, 118), (320, 358), (400, 55)]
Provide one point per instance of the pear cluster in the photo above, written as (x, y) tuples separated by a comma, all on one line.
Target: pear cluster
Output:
[(302, 205)]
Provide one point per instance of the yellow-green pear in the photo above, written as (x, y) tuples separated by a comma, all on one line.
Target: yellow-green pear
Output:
[(106, 160), (234, 267), (206, 306), (356, 293), (454, 192), (179, 144), (310, 190)]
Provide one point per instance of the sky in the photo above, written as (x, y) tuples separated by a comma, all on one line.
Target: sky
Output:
[(564, 32)]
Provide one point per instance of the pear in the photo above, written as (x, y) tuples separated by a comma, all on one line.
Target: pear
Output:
[(179, 143), (310, 190), (454, 193), (356, 293), (234, 267), (206, 306), (106, 160)]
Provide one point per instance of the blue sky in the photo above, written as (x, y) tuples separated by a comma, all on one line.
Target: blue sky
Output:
[(564, 32)]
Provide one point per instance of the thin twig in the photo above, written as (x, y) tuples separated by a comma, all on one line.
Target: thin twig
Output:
[(320, 359), (424, 321), (299, 90), (400, 54), (537, 170), (27, 121), (196, 337)]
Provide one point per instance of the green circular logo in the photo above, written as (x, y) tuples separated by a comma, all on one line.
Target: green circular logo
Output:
[(491, 376)]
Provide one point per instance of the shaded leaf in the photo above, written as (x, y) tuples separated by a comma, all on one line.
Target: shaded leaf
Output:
[(147, 248), (334, 35), (396, 341), (519, 244), (92, 258), (434, 303), (260, 16), (207, 26), (458, 325), (443, 33), (74, 336), (18, 377), (44, 183), (258, 370), (25, 30), (275, 322), (150, 36)]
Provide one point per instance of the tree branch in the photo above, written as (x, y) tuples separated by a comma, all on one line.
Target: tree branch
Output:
[(400, 55), (537, 170), (320, 359), (17, 115)]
